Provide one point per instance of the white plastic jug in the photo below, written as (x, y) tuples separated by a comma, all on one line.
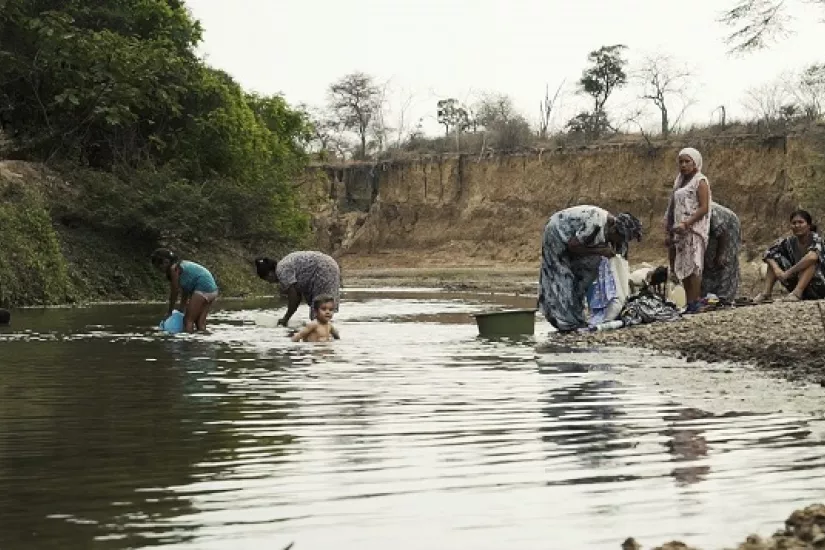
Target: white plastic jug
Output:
[(676, 294)]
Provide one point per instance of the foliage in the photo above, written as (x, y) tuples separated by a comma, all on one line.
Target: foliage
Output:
[(451, 114), (32, 268), (757, 23), (605, 75), (355, 99), (117, 86)]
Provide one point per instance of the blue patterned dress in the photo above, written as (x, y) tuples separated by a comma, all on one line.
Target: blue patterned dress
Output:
[(564, 279)]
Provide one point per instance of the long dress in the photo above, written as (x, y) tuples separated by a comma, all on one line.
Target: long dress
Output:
[(690, 247), (722, 281), (313, 274), (786, 252), (564, 279)]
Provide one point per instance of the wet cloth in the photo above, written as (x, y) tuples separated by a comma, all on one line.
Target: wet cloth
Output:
[(647, 307), (607, 295), (194, 277), (690, 247), (312, 273), (786, 253), (564, 279), (722, 281)]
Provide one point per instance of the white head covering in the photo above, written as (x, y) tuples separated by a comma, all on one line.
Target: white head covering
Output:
[(693, 154)]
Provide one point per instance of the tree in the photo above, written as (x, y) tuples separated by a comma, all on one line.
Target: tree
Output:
[(451, 114), (497, 114), (605, 75), (758, 23), (663, 84), (810, 91), (355, 99), (770, 103), (546, 107)]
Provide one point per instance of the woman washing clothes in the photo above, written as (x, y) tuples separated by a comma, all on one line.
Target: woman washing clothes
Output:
[(574, 242), (192, 282), (687, 224), (303, 274), (796, 262), (721, 273)]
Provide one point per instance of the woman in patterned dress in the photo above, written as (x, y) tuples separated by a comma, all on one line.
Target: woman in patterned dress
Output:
[(687, 224), (796, 262), (304, 274), (721, 274), (574, 242)]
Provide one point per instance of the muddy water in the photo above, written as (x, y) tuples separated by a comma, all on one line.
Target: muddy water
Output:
[(410, 432)]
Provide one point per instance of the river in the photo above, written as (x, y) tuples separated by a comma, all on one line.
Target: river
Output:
[(410, 432)]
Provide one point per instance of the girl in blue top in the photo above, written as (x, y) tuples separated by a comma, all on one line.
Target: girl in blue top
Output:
[(193, 282)]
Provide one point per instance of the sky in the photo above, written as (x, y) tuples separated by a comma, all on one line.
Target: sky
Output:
[(426, 50)]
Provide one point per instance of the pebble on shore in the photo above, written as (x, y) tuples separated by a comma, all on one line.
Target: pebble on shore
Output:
[(804, 530), (787, 338)]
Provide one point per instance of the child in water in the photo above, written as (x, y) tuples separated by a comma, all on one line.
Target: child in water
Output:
[(321, 329), (193, 282)]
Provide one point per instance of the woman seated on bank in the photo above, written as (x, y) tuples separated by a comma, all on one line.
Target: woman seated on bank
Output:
[(796, 262)]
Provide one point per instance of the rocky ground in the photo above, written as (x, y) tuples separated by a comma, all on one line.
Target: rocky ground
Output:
[(804, 529), (786, 338)]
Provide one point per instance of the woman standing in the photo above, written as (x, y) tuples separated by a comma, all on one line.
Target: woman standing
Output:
[(193, 282), (302, 274), (575, 240), (797, 262), (687, 223)]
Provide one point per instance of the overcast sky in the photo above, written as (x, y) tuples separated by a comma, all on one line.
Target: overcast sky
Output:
[(434, 49)]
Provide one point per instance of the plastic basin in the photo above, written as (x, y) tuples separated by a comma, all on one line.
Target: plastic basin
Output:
[(513, 322)]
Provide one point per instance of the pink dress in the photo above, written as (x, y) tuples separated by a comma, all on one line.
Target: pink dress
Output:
[(690, 248)]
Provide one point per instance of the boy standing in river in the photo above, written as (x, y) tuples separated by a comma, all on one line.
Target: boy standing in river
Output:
[(321, 329)]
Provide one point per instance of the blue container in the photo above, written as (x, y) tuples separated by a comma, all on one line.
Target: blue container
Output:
[(172, 324)]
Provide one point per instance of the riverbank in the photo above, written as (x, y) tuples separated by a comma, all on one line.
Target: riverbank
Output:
[(784, 338), (803, 530)]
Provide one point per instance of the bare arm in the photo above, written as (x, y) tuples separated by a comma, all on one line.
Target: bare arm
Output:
[(293, 301), (304, 332), (576, 248), (722, 244), (703, 191), (174, 290), (807, 261), (334, 332)]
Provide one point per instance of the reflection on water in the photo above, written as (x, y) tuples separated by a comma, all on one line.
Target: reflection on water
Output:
[(410, 432)]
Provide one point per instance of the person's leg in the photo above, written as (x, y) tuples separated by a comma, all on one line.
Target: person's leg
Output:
[(193, 312), (201, 324), (804, 280), (693, 288), (767, 291)]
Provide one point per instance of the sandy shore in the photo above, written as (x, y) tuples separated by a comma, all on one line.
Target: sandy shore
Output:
[(785, 338)]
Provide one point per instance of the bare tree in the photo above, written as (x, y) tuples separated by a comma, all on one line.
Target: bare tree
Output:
[(497, 113), (757, 23), (809, 91), (546, 107), (768, 102), (379, 128), (355, 99), (667, 87), (402, 115)]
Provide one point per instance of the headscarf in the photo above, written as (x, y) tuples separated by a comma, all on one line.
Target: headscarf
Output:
[(695, 155), (629, 227)]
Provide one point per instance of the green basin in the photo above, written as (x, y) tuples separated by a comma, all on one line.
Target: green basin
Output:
[(513, 322)]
